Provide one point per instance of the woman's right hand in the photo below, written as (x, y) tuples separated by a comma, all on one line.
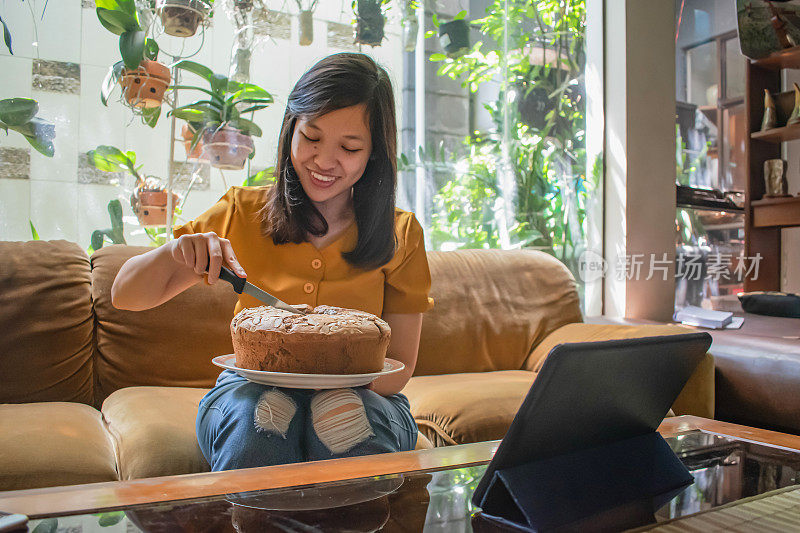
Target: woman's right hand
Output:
[(206, 252)]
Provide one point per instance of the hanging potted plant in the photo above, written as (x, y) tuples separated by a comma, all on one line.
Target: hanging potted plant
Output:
[(225, 133), (369, 21), (149, 198), (143, 79), (410, 24), (194, 151), (306, 19), (181, 18), (454, 35)]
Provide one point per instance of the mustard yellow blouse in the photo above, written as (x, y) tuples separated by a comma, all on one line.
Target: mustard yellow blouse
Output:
[(303, 274)]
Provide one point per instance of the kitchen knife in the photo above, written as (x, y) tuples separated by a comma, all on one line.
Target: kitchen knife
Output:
[(241, 285)]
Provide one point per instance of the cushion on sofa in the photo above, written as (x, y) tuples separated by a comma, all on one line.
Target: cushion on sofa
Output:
[(170, 345), (46, 316), (153, 429), (492, 308), (47, 444), (697, 396), (469, 407)]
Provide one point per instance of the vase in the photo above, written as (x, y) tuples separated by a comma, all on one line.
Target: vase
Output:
[(181, 18), (227, 148), (145, 86)]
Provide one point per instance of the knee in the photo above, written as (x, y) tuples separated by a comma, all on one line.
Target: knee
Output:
[(339, 419), (273, 412)]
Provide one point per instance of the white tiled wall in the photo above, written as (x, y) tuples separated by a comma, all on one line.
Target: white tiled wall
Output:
[(52, 198)]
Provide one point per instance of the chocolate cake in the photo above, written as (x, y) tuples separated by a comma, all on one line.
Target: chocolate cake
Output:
[(326, 340)]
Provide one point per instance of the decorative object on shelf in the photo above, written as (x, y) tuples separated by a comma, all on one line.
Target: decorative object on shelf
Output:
[(181, 18), (369, 21), (115, 233), (454, 35), (225, 133), (149, 198), (306, 20), (775, 183), (794, 118), (19, 114), (766, 26), (770, 115)]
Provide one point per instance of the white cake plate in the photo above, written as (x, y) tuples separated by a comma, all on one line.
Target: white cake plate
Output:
[(306, 381)]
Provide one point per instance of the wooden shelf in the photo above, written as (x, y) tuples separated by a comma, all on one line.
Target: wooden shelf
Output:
[(776, 212), (778, 135), (788, 58)]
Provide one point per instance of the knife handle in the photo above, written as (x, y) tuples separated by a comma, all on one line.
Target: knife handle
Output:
[(233, 279)]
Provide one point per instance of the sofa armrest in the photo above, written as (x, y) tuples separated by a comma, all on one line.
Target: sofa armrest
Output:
[(696, 398)]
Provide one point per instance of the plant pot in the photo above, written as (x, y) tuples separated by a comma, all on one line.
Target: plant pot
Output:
[(151, 207), (306, 27), (187, 133), (145, 86), (181, 18), (370, 22), (227, 148), (454, 37), (410, 30)]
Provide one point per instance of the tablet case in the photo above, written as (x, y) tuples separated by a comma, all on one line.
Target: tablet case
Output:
[(584, 441)]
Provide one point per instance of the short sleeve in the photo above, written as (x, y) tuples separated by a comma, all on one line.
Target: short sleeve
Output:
[(217, 218), (408, 283)]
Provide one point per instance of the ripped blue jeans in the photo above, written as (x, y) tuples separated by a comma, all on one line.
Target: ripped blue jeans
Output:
[(241, 424)]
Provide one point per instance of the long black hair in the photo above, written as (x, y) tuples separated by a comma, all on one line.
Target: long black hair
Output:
[(335, 82)]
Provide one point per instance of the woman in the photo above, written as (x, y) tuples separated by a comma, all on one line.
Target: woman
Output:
[(328, 233)]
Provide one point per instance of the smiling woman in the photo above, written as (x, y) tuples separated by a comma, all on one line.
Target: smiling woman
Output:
[(327, 233)]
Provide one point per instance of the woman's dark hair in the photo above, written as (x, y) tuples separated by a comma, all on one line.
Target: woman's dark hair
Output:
[(336, 82)]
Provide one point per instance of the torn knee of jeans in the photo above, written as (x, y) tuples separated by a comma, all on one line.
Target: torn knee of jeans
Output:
[(274, 411), (339, 419)]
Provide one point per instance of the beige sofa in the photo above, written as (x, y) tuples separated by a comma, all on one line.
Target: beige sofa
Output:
[(90, 393)]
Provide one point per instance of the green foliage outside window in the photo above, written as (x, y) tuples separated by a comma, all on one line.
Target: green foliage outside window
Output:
[(542, 157)]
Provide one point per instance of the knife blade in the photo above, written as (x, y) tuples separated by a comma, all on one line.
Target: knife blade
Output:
[(241, 285)]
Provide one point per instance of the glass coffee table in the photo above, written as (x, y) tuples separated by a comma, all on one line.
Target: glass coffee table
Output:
[(425, 490)]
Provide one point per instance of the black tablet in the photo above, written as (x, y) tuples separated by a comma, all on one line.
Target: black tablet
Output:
[(588, 394)]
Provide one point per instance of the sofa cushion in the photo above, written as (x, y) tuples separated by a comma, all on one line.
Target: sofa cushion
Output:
[(153, 429), (492, 308), (46, 319), (469, 407), (53, 443), (170, 345)]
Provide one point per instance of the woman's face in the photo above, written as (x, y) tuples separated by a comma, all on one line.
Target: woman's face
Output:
[(330, 153)]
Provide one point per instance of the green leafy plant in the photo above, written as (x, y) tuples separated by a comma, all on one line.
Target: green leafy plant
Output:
[(533, 167), (34, 233), (227, 101), (112, 159), (19, 114), (115, 233), (121, 18), (261, 178)]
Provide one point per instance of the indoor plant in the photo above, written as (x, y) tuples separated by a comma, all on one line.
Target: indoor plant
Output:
[(149, 198), (143, 79), (225, 133), (194, 151), (181, 18), (369, 21), (19, 114)]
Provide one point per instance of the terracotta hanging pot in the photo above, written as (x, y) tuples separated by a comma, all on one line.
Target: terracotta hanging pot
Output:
[(227, 148), (145, 86), (181, 18), (306, 27), (151, 207), (187, 133), (454, 37)]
